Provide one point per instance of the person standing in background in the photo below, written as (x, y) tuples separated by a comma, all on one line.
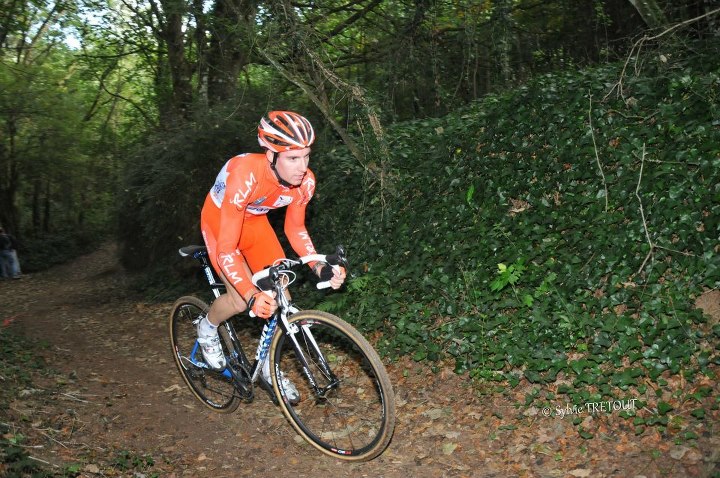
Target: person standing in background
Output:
[(9, 263)]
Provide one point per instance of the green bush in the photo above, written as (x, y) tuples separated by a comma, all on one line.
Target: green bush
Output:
[(560, 228)]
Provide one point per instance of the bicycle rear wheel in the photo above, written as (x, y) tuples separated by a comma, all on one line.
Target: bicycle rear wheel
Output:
[(349, 412), (215, 390)]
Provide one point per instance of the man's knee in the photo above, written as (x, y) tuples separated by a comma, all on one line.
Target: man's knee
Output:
[(237, 303)]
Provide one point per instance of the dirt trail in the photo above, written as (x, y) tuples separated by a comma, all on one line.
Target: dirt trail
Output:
[(116, 393)]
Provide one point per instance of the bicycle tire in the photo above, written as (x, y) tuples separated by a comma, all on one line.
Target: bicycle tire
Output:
[(354, 421), (214, 389)]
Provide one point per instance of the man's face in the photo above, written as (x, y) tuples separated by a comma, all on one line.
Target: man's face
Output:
[(291, 166)]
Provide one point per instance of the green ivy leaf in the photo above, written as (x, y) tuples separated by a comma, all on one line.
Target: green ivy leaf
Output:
[(469, 195), (664, 408)]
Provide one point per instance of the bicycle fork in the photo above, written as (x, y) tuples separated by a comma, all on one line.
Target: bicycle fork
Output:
[(292, 331)]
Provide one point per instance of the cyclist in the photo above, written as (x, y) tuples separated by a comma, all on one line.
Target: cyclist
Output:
[(238, 235)]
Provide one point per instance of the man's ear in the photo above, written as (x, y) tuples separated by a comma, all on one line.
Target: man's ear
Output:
[(269, 155)]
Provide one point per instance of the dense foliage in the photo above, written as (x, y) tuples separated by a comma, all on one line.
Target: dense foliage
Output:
[(559, 231), (58, 138), (108, 109)]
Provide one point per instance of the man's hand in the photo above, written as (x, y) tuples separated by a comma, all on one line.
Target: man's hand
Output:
[(336, 275), (263, 305)]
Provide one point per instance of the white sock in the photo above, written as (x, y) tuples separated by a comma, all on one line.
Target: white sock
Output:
[(205, 328)]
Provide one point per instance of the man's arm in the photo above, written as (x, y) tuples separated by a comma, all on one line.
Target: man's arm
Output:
[(295, 229), (296, 232), (240, 187)]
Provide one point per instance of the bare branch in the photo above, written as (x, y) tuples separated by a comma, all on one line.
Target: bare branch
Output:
[(684, 23), (637, 47), (354, 18), (134, 104), (642, 213), (318, 102), (57, 9), (597, 157)]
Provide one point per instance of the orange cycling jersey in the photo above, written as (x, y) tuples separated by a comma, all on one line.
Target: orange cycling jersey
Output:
[(234, 218)]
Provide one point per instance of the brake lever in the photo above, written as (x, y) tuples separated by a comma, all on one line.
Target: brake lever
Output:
[(342, 257)]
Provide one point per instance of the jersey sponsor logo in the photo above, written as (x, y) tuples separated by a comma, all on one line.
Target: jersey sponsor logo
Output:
[(282, 201), (310, 186), (217, 192), (242, 194), (258, 211), (228, 265), (307, 242), (309, 190), (219, 188), (254, 209)]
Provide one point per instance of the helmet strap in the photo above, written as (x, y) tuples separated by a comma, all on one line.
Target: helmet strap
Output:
[(277, 175)]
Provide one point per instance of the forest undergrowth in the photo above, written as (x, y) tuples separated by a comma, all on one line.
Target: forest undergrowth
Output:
[(558, 234)]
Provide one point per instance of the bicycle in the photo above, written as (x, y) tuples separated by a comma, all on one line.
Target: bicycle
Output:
[(346, 407)]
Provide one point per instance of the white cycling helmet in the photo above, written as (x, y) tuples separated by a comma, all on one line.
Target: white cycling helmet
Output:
[(285, 131)]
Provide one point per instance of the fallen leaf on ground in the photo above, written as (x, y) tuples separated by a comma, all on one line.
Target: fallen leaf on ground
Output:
[(580, 472), (449, 448)]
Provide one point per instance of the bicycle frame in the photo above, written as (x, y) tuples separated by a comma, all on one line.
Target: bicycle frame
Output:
[(269, 328), (291, 330), (325, 377)]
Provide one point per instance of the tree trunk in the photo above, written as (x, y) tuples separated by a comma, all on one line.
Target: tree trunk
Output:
[(36, 215), (503, 39), (651, 13), (9, 179), (174, 73), (46, 209), (201, 47), (179, 68), (231, 30)]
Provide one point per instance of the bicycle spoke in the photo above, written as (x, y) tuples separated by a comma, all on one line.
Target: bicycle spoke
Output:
[(345, 407), (326, 378), (212, 388)]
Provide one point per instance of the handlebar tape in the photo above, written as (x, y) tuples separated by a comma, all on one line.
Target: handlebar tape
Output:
[(265, 283), (326, 273)]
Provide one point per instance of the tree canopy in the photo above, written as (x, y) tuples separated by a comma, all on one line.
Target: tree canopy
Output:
[(110, 107)]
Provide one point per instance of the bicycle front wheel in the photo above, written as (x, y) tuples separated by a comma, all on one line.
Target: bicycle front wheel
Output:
[(347, 406), (214, 389)]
